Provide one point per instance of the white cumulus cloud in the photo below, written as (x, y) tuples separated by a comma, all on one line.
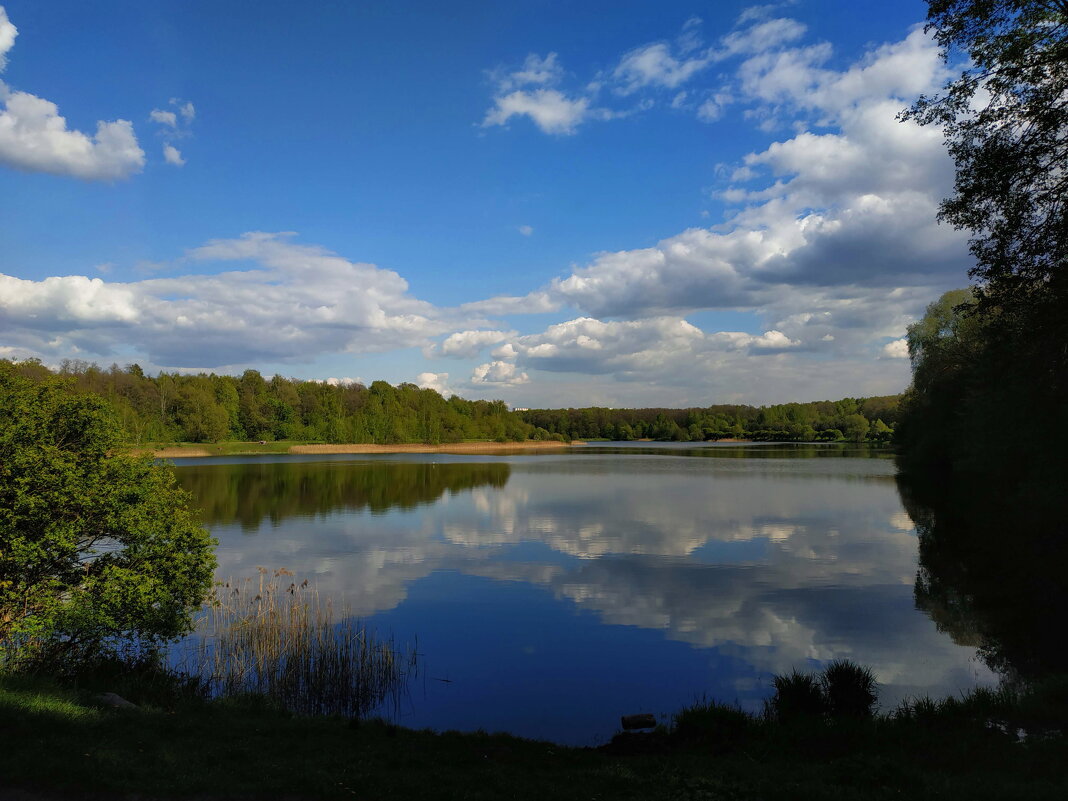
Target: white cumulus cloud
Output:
[(439, 382), (173, 155), (898, 349), (8, 32), (288, 302), (467, 344), (34, 137), (499, 374)]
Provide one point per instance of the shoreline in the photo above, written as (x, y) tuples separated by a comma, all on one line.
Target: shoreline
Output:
[(203, 451)]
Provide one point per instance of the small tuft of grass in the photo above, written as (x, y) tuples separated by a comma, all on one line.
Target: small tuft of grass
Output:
[(712, 723), (850, 689), (797, 696)]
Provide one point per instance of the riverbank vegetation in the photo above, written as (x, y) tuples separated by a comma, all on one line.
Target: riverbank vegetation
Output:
[(849, 419), (172, 407), (60, 741), (250, 414), (991, 362)]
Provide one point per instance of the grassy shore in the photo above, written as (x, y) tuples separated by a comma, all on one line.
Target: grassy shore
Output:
[(58, 742), (180, 450)]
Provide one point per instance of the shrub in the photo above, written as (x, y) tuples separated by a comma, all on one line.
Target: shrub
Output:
[(797, 696), (850, 689), (97, 548)]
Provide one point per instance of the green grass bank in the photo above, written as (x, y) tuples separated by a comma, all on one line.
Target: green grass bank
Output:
[(58, 741)]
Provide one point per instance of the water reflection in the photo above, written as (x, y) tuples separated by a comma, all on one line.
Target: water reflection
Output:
[(993, 562), (250, 492), (753, 566)]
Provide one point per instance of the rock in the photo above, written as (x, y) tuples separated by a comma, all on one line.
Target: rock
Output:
[(115, 701)]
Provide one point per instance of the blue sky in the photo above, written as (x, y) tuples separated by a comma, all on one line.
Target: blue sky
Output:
[(614, 203)]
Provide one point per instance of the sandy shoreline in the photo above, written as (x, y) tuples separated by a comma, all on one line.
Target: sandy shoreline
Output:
[(358, 448)]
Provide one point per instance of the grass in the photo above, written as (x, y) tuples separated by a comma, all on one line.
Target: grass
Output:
[(228, 448), (56, 740), (284, 643)]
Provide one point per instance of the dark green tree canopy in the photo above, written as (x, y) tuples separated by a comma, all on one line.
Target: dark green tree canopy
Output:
[(1006, 124), (94, 544)]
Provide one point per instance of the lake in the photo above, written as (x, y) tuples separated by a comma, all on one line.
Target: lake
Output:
[(550, 593)]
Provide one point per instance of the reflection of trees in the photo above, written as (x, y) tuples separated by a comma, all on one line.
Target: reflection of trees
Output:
[(249, 493), (993, 567), (781, 450)]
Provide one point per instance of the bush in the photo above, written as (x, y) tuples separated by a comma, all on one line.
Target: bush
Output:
[(712, 723), (850, 689), (97, 548), (797, 696), (843, 689)]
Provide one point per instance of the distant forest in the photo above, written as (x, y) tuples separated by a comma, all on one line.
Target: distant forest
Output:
[(853, 419), (172, 407)]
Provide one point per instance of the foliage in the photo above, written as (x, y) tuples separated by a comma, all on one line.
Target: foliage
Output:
[(1005, 119), (855, 419), (991, 369), (247, 493), (94, 544), (850, 689), (209, 408), (712, 723), (843, 689), (992, 562), (245, 749), (797, 696)]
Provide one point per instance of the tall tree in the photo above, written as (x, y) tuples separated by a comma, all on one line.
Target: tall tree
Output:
[(94, 544), (1006, 124)]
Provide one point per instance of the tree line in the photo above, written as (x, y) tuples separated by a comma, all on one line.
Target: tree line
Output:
[(172, 407), (851, 419), (990, 362)]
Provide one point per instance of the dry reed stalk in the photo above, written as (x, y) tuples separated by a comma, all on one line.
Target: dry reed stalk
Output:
[(289, 645)]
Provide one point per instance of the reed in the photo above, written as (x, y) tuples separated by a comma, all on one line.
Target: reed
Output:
[(278, 639)]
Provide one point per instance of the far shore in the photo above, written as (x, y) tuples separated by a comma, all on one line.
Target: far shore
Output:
[(256, 449)]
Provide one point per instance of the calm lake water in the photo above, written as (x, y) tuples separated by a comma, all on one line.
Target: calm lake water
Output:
[(550, 593)]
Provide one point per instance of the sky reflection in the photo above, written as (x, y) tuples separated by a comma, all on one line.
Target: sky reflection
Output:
[(694, 575)]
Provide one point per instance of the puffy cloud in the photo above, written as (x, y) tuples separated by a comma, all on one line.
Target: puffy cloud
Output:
[(439, 382), (762, 36), (632, 349), (294, 302), (525, 230), (654, 65), (901, 70), (534, 303), (498, 373), (467, 344), (8, 32), (662, 66), (898, 349), (550, 109), (34, 136), (535, 70), (645, 361), (173, 155), (176, 125), (164, 117), (711, 109)]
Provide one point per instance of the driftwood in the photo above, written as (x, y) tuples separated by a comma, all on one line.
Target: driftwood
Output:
[(642, 721)]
